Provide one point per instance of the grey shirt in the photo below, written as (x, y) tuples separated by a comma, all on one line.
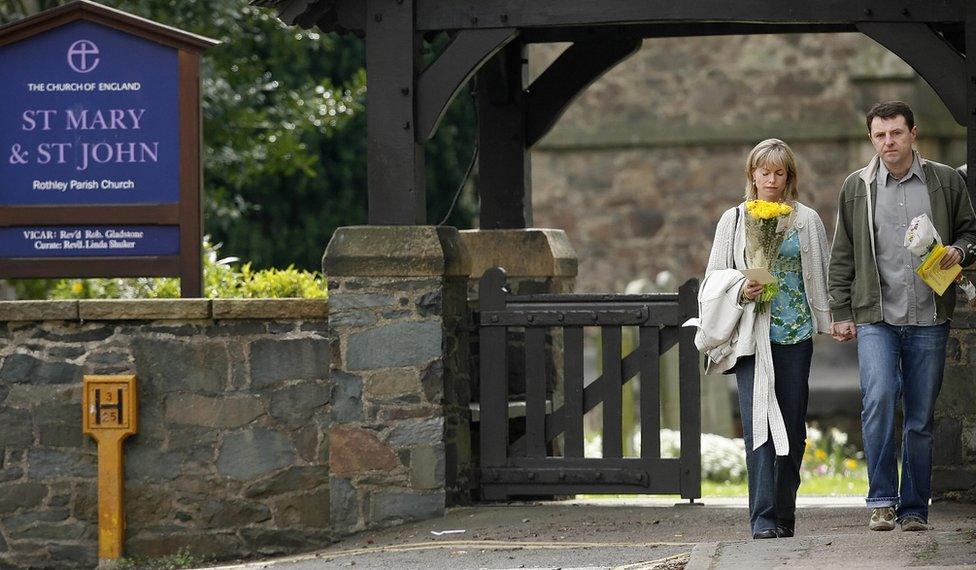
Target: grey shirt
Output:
[(905, 298)]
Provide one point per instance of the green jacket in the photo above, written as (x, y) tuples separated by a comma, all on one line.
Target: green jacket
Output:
[(853, 280)]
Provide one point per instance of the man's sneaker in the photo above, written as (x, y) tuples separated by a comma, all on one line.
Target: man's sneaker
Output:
[(882, 518), (912, 523)]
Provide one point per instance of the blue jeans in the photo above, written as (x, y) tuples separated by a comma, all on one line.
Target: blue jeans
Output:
[(900, 362), (773, 480)]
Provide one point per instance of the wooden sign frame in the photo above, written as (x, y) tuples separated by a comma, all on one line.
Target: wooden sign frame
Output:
[(186, 214)]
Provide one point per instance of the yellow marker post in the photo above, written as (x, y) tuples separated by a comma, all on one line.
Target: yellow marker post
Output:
[(109, 414)]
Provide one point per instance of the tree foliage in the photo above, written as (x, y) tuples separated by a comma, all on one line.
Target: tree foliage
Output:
[(285, 130)]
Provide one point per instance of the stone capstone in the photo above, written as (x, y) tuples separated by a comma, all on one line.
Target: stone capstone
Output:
[(398, 344), (143, 309), (38, 310), (270, 308), (394, 251), (247, 454), (355, 450)]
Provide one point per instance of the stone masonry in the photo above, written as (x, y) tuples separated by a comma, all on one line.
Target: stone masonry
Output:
[(954, 455), (400, 444), (641, 166), (231, 458)]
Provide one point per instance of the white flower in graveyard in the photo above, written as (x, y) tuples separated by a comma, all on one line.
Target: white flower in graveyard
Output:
[(813, 434), (838, 437)]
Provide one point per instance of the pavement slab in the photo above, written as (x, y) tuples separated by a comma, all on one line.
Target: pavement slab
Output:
[(645, 533)]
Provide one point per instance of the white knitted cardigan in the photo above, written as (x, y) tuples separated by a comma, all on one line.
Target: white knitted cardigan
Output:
[(728, 251)]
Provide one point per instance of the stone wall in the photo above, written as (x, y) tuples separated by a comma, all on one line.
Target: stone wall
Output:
[(231, 458), (641, 166), (954, 456), (400, 324)]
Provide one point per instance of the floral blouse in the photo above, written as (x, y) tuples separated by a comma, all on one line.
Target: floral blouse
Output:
[(789, 312)]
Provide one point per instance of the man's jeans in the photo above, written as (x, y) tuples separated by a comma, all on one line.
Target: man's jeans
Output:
[(773, 480), (905, 362)]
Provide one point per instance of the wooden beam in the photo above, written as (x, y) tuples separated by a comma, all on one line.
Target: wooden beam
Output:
[(932, 57), (567, 77), (671, 30), (441, 81), (472, 14)]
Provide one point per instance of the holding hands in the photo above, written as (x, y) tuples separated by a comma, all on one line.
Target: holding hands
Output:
[(843, 332)]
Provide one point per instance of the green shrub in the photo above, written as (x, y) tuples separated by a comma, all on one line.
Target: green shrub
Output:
[(220, 276)]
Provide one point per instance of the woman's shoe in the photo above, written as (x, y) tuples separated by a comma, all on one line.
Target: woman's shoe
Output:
[(783, 532), (771, 533)]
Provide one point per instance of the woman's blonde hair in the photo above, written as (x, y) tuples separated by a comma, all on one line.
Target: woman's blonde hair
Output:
[(772, 152)]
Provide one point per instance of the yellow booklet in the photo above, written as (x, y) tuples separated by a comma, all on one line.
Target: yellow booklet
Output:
[(935, 277)]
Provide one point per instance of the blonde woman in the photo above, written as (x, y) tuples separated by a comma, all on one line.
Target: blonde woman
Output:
[(799, 310)]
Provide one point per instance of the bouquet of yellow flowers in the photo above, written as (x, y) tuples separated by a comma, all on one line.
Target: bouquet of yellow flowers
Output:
[(766, 225)]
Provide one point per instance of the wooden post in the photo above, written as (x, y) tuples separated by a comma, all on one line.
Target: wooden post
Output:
[(504, 174), (395, 161), (109, 415)]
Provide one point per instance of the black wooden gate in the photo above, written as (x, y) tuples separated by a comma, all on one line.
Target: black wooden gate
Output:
[(531, 464)]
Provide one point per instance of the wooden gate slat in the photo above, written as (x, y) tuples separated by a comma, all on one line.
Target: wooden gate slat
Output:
[(593, 394), (573, 398), (650, 392), (612, 394), (494, 374), (535, 392), (689, 394)]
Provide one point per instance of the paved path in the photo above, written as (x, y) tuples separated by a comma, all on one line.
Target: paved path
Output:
[(646, 534)]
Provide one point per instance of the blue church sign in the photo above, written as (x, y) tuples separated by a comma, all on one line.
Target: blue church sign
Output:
[(89, 115), (99, 136)]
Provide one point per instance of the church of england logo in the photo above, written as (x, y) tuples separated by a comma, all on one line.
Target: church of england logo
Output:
[(83, 56)]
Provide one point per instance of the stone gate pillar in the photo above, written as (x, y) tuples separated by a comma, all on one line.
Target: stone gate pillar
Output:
[(954, 446), (398, 446)]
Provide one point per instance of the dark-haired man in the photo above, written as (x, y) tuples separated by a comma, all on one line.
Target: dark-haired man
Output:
[(900, 324)]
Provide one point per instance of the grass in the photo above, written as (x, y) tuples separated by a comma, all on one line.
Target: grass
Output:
[(811, 486), (181, 559), (820, 486)]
